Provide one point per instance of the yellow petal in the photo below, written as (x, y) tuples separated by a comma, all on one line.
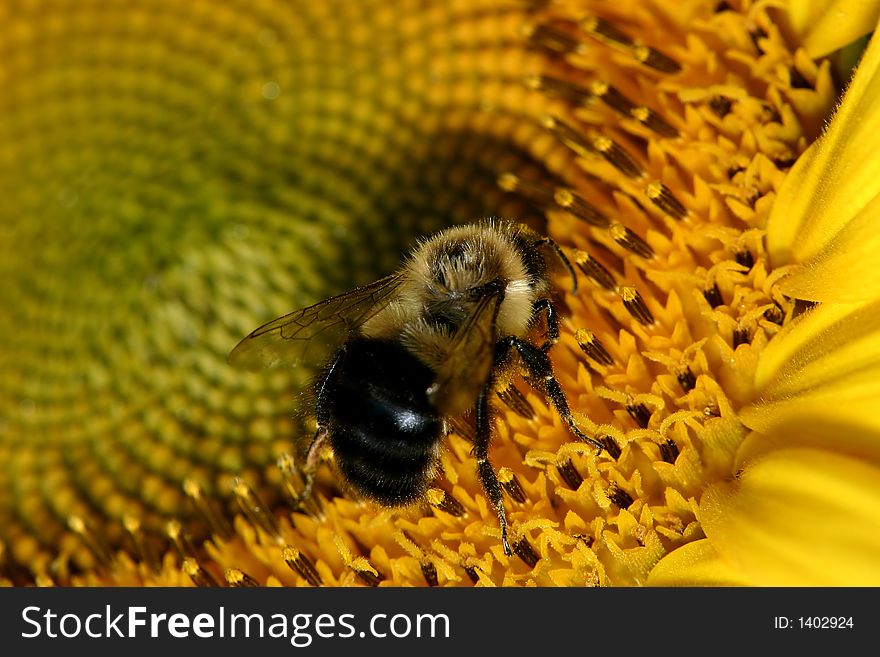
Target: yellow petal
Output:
[(694, 564), (798, 517), (845, 268), (833, 435), (821, 372), (827, 25), (842, 420), (829, 343), (828, 203)]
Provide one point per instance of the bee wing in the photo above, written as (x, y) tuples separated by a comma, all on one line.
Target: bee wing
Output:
[(312, 334), (469, 364)]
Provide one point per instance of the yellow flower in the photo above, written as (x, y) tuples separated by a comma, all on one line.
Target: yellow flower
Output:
[(177, 173), (804, 507)]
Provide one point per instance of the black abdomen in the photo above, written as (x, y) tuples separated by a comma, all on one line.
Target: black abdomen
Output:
[(383, 430)]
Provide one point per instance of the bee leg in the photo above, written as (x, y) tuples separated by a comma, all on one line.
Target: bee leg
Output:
[(485, 469), (322, 411), (311, 465), (546, 306), (540, 368)]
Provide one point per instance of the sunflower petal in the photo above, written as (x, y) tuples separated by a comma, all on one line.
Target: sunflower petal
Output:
[(829, 202), (822, 370), (694, 564), (798, 517), (845, 420), (831, 434), (827, 25), (829, 343), (845, 268)]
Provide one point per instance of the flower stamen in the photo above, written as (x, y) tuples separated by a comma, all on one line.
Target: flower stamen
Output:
[(198, 575), (301, 564)]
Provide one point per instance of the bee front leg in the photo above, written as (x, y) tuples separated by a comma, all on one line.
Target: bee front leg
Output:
[(484, 468), (546, 306), (540, 369)]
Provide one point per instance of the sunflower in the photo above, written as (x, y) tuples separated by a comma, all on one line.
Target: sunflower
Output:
[(174, 175)]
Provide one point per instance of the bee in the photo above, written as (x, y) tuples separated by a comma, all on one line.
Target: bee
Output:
[(404, 355)]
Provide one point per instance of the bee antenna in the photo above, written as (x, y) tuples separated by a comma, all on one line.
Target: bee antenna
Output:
[(554, 246)]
